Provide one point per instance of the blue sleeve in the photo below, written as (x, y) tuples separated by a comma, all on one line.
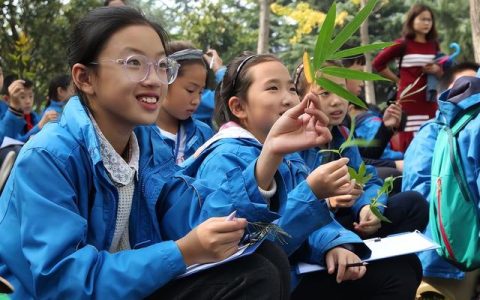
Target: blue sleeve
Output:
[(418, 160), (373, 185), (186, 201), (329, 237), (301, 212), (11, 126), (220, 74), (368, 128), (51, 236)]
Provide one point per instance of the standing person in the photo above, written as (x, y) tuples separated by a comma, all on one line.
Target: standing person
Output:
[(93, 234), (59, 91), (183, 133), (416, 51)]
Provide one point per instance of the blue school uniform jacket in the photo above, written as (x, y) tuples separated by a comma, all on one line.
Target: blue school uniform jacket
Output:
[(197, 133), (56, 106), (58, 212), (366, 126), (302, 214), (3, 108), (14, 126), (418, 159), (313, 158)]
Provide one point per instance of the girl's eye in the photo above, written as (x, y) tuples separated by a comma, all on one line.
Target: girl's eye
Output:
[(293, 89), (272, 88), (134, 62), (324, 94)]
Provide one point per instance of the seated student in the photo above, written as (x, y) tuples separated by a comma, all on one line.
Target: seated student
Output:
[(20, 122), (256, 91), (417, 172), (95, 234), (204, 111), (59, 91), (183, 133), (371, 125)]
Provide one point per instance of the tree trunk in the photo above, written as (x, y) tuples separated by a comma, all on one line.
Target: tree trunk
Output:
[(263, 31), (369, 87), (475, 20)]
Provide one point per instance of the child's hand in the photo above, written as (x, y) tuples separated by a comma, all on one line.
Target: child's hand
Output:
[(392, 116), (346, 199), (338, 258), (48, 116), (16, 92), (213, 240), (214, 60), (299, 128), (326, 180), (368, 222), (432, 69)]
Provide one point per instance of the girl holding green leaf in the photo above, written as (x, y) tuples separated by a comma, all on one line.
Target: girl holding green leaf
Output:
[(363, 208)]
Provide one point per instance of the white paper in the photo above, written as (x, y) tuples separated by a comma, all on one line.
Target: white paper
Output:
[(394, 245), (10, 142)]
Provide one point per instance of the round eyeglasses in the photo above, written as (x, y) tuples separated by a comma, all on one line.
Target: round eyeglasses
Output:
[(137, 67)]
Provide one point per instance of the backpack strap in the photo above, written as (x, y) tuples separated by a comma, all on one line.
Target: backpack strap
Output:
[(454, 151), (466, 117)]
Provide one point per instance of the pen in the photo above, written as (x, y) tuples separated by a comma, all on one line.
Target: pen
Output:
[(211, 62), (231, 216), (360, 264)]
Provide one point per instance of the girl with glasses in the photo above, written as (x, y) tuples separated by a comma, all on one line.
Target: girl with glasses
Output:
[(93, 211), (180, 131), (416, 52)]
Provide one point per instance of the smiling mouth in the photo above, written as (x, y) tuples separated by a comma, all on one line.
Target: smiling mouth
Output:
[(148, 100)]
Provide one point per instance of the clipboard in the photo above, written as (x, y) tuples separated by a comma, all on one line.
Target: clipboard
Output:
[(244, 250), (390, 246)]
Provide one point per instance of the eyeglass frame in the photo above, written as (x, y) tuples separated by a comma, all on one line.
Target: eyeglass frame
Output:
[(150, 63)]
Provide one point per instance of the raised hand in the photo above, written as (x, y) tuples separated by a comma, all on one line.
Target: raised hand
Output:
[(48, 116), (392, 116), (338, 258), (16, 92), (211, 241), (299, 128)]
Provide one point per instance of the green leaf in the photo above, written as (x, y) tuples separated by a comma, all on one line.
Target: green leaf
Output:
[(358, 143), (353, 173), (340, 91), (351, 74), (378, 214), (362, 169), (359, 50), (322, 46), (329, 150), (352, 26)]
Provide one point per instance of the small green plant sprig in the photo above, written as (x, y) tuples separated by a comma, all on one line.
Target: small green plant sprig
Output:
[(361, 177), (351, 141), (386, 188), (327, 48)]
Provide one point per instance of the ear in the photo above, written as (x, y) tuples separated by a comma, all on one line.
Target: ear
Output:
[(351, 107), (237, 107), (82, 78)]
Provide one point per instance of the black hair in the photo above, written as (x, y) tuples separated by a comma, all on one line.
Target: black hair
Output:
[(107, 2), (448, 76), (349, 61), (175, 46), (92, 32), (60, 81), (9, 79), (234, 84)]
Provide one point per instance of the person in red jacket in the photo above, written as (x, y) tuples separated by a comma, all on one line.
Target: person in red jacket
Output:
[(416, 52)]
